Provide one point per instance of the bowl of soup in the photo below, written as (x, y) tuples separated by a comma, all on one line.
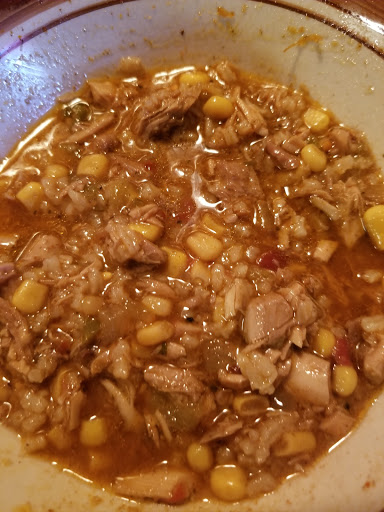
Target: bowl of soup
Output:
[(191, 260)]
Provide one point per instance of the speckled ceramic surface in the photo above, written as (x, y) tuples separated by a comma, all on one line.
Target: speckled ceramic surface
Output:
[(337, 57)]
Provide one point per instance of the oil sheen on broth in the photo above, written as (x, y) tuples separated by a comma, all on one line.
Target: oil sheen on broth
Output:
[(191, 283)]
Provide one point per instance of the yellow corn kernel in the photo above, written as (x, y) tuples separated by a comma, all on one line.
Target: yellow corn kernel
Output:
[(95, 165), (193, 78), (56, 171), (107, 275), (344, 380), (324, 342), (177, 261), (374, 224), (200, 457), (59, 438), (204, 246), (151, 232), (200, 271), (29, 296), (140, 351), (250, 405), (93, 432), (316, 120), (31, 195), (314, 158), (212, 224), (155, 333), (90, 305), (161, 306), (218, 107), (293, 443), (228, 483)]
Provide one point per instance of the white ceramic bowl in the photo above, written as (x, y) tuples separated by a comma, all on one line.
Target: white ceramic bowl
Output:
[(339, 58)]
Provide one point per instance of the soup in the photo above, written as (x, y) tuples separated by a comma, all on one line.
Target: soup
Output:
[(191, 283)]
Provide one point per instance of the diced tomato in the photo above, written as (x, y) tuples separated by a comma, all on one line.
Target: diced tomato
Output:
[(272, 260), (185, 210), (180, 493), (341, 352)]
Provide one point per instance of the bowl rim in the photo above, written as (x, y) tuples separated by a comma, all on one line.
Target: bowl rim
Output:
[(94, 5), (29, 11)]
